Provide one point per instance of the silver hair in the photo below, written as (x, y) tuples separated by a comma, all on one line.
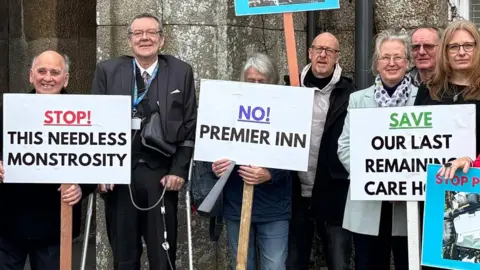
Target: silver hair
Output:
[(437, 30), (146, 15), (263, 64), (388, 35), (66, 60)]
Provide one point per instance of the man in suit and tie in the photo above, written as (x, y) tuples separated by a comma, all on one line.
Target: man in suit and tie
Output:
[(159, 84)]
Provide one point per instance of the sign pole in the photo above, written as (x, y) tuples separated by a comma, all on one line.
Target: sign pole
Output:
[(65, 233), (291, 49), (244, 233), (413, 230), (245, 222)]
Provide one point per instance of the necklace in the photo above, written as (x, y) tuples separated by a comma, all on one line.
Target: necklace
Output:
[(455, 97)]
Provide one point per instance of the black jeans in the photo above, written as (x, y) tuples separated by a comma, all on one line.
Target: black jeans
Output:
[(337, 242), (43, 256), (373, 252), (126, 224)]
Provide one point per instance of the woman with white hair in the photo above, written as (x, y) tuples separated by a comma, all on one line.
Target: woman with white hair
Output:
[(272, 193), (380, 227)]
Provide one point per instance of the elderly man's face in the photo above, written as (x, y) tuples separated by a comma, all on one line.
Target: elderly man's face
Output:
[(48, 74), (424, 48), (145, 39), (324, 55)]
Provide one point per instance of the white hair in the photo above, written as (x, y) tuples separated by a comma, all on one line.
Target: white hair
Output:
[(65, 59), (388, 35), (263, 64)]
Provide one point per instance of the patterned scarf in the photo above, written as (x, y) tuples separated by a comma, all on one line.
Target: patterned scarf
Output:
[(399, 97)]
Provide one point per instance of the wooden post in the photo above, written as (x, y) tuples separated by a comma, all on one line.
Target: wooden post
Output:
[(291, 48), (413, 230), (65, 233), (245, 222)]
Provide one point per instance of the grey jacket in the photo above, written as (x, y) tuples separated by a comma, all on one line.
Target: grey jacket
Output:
[(363, 217)]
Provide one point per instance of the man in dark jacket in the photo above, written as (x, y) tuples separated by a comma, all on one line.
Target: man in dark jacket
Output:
[(147, 208), (319, 195), (30, 213)]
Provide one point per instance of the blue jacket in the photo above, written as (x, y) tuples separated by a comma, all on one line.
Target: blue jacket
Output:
[(272, 200)]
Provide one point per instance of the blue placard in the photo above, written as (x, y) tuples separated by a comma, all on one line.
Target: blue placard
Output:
[(259, 7), (451, 220)]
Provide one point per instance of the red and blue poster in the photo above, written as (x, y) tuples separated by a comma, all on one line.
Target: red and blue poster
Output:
[(451, 230)]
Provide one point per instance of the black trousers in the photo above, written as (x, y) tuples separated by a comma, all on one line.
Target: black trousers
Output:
[(43, 256), (373, 252), (337, 242), (126, 224)]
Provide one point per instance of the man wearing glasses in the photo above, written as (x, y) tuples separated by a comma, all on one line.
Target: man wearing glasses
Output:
[(424, 51), (160, 85), (319, 194)]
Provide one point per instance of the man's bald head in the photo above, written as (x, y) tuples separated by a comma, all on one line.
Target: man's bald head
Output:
[(324, 54), (327, 37), (49, 72)]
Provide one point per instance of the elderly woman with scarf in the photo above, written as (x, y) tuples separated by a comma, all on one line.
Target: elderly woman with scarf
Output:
[(380, 227)]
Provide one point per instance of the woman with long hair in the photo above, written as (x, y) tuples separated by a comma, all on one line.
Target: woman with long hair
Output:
[(456, 79)]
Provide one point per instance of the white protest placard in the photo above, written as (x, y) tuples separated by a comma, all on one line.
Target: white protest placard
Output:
[(74, 139), (390, 148), (254, 124)]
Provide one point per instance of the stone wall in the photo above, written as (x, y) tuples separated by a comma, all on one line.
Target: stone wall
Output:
[(4, 46), (38, 25), (207, 35)]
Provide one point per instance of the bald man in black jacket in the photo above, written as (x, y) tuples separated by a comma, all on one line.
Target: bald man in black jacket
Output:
[(30, 213)]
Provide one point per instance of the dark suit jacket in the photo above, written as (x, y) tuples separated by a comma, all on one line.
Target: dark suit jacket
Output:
[(173, 89)]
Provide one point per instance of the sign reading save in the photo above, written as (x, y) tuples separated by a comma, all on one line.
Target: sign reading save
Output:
[(411, 120), (389, 153)]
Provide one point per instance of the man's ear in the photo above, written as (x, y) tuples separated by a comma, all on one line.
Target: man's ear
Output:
[(31, 76), (65, 84), (161, 42)]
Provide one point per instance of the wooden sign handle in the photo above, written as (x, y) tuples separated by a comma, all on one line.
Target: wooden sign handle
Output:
[(413, 230), (291, 49), (245, 222), (65, 233)]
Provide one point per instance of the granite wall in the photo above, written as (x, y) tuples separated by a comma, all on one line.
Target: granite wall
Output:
[(205, 33), (208, 35), (38, 25)]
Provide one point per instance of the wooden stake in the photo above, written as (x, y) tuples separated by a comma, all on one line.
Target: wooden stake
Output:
[(413, 230), (65, 233), (245, 222), (291, 48)]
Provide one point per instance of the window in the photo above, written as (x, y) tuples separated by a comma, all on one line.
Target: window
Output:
[(465, 8)]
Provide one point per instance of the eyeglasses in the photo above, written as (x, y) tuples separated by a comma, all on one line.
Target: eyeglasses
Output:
[(150, 33), (328, 51), (426, 46), (396, 58), (468, 47)]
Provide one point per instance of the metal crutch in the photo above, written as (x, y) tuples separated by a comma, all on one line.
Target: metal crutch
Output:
[(189, 218), (87, 231)]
